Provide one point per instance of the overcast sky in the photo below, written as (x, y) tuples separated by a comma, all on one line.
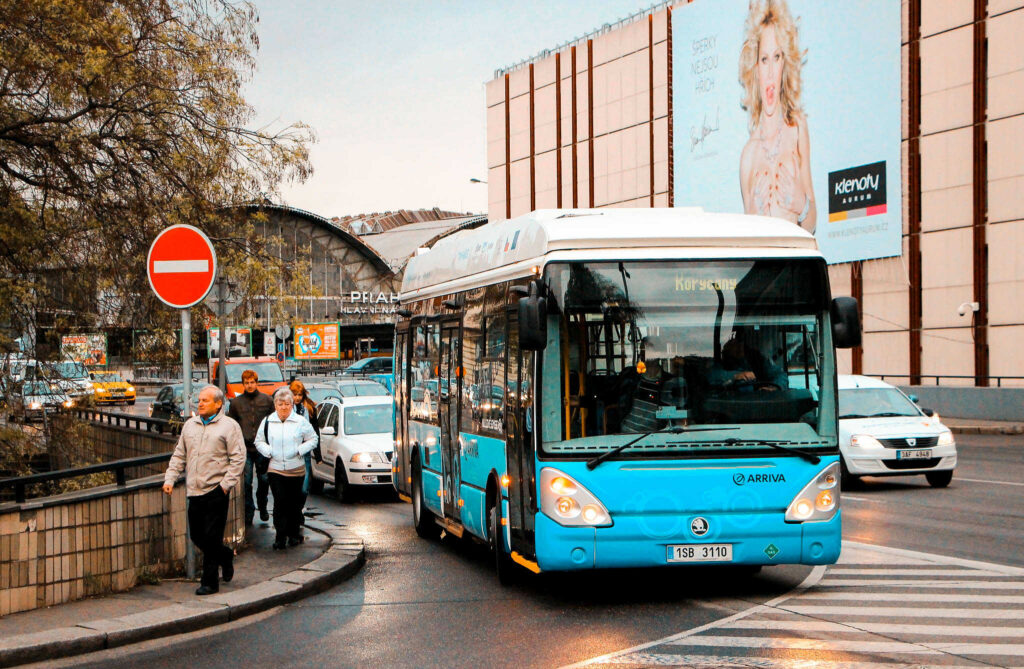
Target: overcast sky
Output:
[(395, 90)]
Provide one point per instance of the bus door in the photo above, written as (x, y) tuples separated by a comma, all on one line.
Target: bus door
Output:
[(401, 459), (448, 415), (519, 454)]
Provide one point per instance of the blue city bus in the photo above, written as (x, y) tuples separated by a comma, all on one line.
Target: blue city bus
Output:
[(607, 388)]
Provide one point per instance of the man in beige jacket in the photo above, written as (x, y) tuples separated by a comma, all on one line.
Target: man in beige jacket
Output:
[(212, 454)]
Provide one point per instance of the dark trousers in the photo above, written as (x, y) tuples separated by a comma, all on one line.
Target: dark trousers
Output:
[(255, 467), (287, 505), (207, 515)]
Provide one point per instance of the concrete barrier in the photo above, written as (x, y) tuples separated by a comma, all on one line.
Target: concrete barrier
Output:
[(1006, 404)]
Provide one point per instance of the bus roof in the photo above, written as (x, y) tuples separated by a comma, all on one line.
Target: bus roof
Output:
[(529, 238)]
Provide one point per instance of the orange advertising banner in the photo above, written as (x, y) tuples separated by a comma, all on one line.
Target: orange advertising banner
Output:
[(317, 341)]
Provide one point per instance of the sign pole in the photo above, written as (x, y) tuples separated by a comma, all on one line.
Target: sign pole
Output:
[(222, 375), (186, 381)]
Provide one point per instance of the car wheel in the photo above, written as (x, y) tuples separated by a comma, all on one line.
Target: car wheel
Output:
[(131, 403), (939, 479), (502, 562), (422, 518), (342, 488)]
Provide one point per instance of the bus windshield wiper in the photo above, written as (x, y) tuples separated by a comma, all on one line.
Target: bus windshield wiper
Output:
[(592, 464), (809, 457)]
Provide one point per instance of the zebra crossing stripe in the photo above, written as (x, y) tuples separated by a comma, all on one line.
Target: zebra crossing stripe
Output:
[(902, 612), (913, 597), (747, 662), (799, 643), (847, 571), (952, 585), (875, 628)]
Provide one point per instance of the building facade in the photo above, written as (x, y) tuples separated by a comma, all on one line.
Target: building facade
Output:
[(591, 124)]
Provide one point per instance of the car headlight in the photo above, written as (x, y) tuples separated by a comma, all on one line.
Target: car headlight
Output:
[(864, 441), (363, 458), (819, 499), (130, 389), (35, 405), (568, 503), (946, 439)]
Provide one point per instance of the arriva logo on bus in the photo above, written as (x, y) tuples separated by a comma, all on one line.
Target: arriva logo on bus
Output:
[(741, 479)]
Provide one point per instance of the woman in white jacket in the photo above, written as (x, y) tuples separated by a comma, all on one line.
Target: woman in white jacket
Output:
[(284, 437)]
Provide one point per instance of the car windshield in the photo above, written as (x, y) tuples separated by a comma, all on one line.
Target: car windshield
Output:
[(319, 393), (368, 419), (108, 378), (362, 389), (875, 403), (268, 372), (72, 370)]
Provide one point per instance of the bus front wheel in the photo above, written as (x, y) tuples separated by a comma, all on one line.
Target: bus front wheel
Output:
[(502, 563), (422, 518)]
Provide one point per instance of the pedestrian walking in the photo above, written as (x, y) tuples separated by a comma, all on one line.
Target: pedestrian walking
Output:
[(249, 409), (211, 452), (284, 436), (304, 407)]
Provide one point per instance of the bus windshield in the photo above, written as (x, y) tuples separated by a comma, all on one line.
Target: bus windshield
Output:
[(639, 347)]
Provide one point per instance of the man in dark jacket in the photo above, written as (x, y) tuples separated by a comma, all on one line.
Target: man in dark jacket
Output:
[(249, 409)]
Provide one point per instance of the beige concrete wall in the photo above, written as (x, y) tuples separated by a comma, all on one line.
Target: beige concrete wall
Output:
[(622, 173), (622, 123), (73, 547)]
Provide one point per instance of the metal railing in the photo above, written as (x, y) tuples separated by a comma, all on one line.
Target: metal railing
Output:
[(127, 421), (19, 483), (938, 377)]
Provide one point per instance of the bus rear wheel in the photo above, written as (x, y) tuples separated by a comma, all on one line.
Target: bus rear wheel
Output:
[(422, 518), (502, 562)]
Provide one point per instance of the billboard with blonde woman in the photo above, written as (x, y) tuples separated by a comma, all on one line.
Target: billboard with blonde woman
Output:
[(791, 109)]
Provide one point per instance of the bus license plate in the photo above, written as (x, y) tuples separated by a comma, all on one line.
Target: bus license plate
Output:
[(700, 553), (913, 455)]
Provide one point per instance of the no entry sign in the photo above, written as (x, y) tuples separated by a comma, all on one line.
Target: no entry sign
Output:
[(181, 266)]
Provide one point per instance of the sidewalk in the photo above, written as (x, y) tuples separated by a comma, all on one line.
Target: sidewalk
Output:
[(264, 578), (980, 426)]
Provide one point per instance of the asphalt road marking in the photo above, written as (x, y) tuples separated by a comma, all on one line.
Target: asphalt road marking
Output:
[(797, 643), (750, 662), (878, 628), (960, 478), (847, 617)]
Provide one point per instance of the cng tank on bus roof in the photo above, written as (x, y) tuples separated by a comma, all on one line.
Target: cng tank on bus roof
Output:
[(532, 236)]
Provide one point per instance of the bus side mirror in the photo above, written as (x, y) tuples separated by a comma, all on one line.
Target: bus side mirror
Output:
[(845, 322), (533, 321)]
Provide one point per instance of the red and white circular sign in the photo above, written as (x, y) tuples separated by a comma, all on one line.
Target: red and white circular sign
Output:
[(181, 266)]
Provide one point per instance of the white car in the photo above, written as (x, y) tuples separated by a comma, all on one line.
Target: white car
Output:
[(40, 398), (356, 444), (882, 432)]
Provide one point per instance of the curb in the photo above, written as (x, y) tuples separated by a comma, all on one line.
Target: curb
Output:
[(987, 429), (345, 556)]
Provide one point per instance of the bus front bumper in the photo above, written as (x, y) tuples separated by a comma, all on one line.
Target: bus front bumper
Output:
[(638, 541)]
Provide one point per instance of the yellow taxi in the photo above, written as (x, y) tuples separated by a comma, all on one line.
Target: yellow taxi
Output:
[(110, 388)]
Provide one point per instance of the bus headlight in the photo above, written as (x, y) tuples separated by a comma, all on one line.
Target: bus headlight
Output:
[(819, 499), (568, 503), (946, 439)]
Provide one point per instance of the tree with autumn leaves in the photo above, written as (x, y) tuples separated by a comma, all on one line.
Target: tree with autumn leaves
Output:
[(119, 118)]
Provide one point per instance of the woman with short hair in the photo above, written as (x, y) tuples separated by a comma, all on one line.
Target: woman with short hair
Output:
[(285, 437)]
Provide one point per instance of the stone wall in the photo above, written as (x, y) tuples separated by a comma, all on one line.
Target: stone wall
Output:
[(57, 549)]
